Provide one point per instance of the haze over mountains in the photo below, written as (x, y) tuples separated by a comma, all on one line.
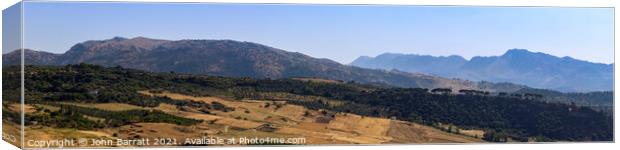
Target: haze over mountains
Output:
[(534, 69), (234, 58), (247, 59)]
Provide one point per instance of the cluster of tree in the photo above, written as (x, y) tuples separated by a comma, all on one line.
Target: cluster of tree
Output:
[(71, 116), (504, 116), (64, 118), (221, 107), (473, 92), (530, 96), (11, 116), (599, 98), (11, 83)]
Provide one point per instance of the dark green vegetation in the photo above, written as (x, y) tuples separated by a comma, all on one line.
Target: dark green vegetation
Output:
[(62, 88), (70, 116), (502, 117), (604, 98)]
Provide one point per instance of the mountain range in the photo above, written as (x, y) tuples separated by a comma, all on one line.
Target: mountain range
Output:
[(520, 66), (235, 59)]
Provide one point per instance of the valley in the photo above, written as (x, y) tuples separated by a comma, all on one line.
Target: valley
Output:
[(250, 118), (192, 92), (117, 103)]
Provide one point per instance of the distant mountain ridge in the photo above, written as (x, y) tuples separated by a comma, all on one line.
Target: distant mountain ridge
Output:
[(237, 59), (534, 69), (34, 57)]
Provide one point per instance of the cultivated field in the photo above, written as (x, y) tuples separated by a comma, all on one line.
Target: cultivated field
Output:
[(249, 118)]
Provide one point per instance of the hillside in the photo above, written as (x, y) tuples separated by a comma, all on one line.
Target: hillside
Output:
[(145, 106), (240, 59), (32, 58), (534, 69), (131, 101), (603, 101)]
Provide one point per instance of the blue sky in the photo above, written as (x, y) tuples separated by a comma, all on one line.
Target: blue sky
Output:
[(338, 32)]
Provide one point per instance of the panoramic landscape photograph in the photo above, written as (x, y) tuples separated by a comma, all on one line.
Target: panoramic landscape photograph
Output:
[(103, 74)]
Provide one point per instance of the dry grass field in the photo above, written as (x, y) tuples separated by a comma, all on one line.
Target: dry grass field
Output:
[(16, 107), (289, 119), (254, 118)]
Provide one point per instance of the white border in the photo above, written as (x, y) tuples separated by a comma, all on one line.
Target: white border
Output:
[(559, 3)]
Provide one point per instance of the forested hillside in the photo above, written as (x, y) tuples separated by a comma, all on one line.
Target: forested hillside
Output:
[(503, 117)]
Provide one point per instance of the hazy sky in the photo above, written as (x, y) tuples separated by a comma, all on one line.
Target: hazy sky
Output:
[(337, 32)]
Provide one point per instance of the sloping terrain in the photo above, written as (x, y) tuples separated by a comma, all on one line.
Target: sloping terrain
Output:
[(130, 104), (249, 119), (236, 59), (298, 121), (534, 69)]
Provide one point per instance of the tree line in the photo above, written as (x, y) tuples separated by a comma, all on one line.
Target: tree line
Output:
[(502, 116)]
